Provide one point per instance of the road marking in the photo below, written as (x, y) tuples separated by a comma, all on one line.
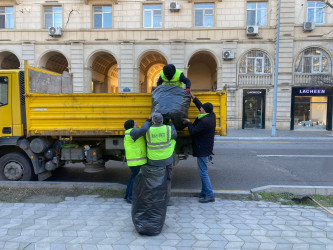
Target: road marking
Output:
[(298, 156), (252, 142)]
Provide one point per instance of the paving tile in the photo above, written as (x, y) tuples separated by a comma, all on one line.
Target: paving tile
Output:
[(252, 245), (96, 223), (284, 246), (185, 243), (58, 246), (42, 246), (234, 245)]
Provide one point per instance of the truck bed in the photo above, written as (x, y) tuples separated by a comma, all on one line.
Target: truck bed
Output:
[(94, 115), (102, 114)]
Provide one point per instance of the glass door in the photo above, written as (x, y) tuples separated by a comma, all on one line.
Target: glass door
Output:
[(253, 111)]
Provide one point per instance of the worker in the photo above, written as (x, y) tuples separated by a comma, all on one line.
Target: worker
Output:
[(135, 151), (160, 147), (172, 76), (202, 132)]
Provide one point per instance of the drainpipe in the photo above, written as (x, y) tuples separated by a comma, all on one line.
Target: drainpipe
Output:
[(276, 71)]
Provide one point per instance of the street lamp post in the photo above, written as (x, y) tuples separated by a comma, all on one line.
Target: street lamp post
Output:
[(276, 72)]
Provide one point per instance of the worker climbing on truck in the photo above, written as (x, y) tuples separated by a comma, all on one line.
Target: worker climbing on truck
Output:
[(172, 76), (135, 151)]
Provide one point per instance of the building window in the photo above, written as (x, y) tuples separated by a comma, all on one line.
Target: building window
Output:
[(103, 17), (6, 18), (316, 12), (313, 61), (204, 15), (3, 90), (256, 14), (152, 16), (53, 16), (255, 62)]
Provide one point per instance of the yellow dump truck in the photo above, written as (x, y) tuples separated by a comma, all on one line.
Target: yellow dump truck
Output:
[(41, 131)]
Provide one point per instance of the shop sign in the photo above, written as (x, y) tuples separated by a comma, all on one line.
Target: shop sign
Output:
[(311, 91), (254, 92)]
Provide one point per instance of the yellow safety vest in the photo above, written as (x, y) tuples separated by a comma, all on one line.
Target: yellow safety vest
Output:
[(175, 79), (135, 152), (160, 146)]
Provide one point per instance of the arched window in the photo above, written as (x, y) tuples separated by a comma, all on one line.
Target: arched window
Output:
[(313, 61), (255, 62)]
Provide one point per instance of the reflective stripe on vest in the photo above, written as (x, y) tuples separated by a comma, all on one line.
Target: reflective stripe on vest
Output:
[(175, 79), (135, 152), (160, 146)]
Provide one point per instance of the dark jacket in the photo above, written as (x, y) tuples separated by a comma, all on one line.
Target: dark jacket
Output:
[(136, 133), (202, 132)]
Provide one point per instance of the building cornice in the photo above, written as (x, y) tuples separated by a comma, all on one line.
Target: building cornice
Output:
[(99, 1), (201, 1)]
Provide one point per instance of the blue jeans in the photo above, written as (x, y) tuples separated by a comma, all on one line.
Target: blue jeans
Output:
[(206, 188), (135, 171)]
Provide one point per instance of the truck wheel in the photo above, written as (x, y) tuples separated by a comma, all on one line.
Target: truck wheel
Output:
[(15, 167)]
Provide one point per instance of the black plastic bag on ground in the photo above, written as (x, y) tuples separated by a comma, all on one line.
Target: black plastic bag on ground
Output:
[(171, 101), (149, 200)]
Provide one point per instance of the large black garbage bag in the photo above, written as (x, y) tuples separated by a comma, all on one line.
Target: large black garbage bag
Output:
[(149, 200), (172, 101)]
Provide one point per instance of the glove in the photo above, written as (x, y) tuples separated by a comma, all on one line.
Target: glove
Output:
[(166, 120), (149, 120), (188, 90)]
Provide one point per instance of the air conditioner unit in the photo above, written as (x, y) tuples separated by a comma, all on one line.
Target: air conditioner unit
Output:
[(228, 54), (252, 30), (55, 31), (308, 26), (174, 6)]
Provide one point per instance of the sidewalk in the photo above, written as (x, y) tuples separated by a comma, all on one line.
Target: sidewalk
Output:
[(89, 222), (266, 134)]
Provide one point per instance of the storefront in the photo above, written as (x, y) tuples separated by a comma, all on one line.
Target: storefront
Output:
[(254, 108), (311, 108)]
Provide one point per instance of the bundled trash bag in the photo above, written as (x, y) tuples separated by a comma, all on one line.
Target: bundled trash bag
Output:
[(172, 102), (149, 200)]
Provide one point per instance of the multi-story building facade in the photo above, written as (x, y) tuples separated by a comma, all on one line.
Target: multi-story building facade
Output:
[(120, 46)]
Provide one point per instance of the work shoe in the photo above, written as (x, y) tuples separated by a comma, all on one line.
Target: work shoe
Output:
[(128, 200), (206, 199), (170, 203), (199, 195)]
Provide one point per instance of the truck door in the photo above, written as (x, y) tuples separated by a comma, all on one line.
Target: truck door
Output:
[(6, 123)]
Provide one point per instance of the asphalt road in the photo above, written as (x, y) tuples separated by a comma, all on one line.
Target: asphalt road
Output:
[(238, 165)]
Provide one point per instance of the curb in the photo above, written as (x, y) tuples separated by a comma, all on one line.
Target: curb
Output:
[(296, 190), (62, 185), (234, 194)]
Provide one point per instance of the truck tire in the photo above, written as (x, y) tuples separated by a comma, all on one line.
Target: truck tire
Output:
[(16, 167)]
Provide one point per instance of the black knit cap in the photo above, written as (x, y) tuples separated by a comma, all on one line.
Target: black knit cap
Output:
[(208, 107), (169, 70), (129, 124)]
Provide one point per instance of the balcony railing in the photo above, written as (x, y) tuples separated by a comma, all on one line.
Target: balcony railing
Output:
[(312, 79), (255, 80)]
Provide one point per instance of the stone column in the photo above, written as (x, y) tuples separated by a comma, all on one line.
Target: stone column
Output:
[(228, 78), (178, 55), (128, 81), (28, 53), (285, 76), (77, 68)]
